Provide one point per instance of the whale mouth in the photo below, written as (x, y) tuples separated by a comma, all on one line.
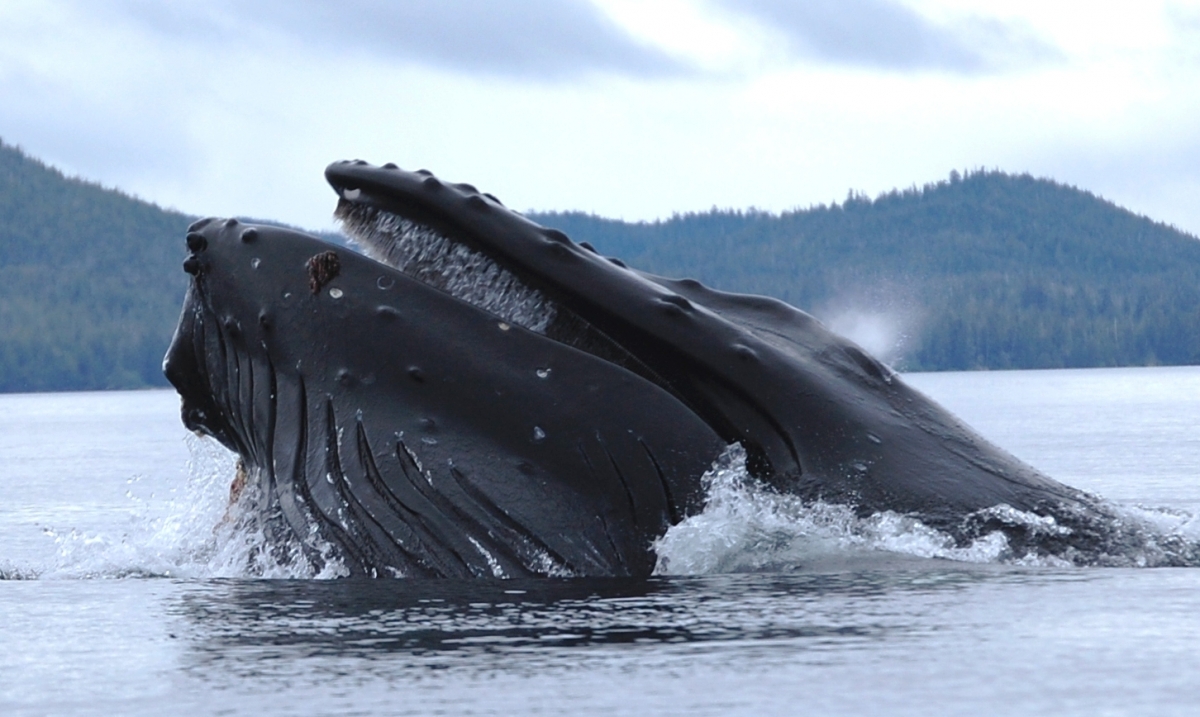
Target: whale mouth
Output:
[(478, 392), (434, 258), (439, 254), (466, 243)]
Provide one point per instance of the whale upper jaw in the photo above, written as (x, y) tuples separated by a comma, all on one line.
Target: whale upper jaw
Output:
[(816, 413)]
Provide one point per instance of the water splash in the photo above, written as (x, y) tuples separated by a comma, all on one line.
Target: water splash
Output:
[(744, 527), (197, 533), (748, 527)]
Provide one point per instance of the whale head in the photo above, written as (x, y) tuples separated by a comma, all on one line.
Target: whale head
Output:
[(476, 394)]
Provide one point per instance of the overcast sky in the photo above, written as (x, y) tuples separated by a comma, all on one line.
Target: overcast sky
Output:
[(627, 108)]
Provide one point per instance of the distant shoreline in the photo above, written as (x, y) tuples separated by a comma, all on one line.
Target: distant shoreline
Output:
[(980, 271)]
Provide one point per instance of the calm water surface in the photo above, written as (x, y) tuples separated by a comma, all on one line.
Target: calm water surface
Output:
[(124, 596)]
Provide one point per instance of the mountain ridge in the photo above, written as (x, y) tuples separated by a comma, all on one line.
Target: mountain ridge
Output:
[(983, 270)]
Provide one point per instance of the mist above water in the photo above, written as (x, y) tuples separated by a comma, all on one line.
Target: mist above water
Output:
[(882, 335), (885, 320)]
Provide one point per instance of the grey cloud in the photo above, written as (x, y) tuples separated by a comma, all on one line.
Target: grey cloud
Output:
[(1183, 21), (1157, 174), (128, 132), (887, 35), (539, 39)]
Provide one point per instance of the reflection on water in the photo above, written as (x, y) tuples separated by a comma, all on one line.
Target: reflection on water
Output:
[(973, 639), (534, 625)]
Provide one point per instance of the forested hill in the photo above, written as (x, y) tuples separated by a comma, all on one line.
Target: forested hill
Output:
[(987, 270), (90, 281), (983, 271), (90, 285)]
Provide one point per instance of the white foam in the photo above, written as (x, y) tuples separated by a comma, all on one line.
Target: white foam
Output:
[(745, 526), (195, 534), (1157, 536)]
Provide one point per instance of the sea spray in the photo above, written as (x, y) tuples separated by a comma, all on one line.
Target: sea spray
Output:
[(199, 531), (746, 526)]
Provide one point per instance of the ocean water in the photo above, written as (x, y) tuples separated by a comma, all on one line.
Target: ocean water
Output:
[(128, 589)]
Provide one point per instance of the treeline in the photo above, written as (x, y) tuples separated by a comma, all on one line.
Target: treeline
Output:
[(90, 285), (986, 270)]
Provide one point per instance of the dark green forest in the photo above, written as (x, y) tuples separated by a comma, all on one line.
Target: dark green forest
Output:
[(986, 270), (90, 285), (90, 281)]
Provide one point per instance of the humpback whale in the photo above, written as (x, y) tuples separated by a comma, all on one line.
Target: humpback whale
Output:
[(474, 394)]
